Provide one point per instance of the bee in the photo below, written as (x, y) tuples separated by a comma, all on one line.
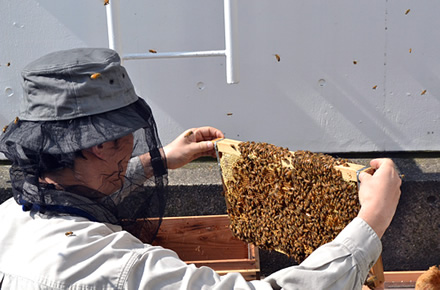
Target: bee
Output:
[(410, 50), (189, 133), (277, 56), (407, 11), (371, 281), (16, 120), (152, 51), (8, 64), (233, 147), (95, 76), (68, 234), (374, 87), (229, 114), (5, 128), (106, 2), (423, 92), (355, 62)]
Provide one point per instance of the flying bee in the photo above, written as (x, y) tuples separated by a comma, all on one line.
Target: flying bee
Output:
[(374, 87), (423, 92), (152, 51), (189, 133), (277, 56), (95, 76), (8, 64), (229, 114), (410, 50), (407, 11), (355, 62)]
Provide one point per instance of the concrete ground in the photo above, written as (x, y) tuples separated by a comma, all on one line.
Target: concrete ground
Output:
[(410, 243)]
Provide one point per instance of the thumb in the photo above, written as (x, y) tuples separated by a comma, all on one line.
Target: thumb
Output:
[(202, 148), (209, 145), (364, 176)]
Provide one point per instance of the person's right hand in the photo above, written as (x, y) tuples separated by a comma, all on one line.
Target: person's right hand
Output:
[(190, 145), (379, 195)]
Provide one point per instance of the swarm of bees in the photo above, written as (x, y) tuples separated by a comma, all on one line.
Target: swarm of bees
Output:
[(291, 203)]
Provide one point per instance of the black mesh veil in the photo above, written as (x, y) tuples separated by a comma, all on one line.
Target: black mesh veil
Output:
[(38, 147)]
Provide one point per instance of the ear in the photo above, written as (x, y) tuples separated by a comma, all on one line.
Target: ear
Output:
[(97, 151)]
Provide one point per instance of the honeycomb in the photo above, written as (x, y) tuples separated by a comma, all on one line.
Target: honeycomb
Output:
[(291, 203)]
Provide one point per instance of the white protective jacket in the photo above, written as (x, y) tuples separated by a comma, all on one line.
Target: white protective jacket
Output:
[(36, 253)]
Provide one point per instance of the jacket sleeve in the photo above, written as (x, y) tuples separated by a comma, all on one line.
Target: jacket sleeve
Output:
[(341, 264)]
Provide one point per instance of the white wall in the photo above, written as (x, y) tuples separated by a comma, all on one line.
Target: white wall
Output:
[(315, 98)]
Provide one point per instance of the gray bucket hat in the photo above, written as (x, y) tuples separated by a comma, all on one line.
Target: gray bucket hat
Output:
[(87, 85), (75, 83)]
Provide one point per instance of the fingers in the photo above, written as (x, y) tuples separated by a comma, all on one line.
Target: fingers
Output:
[(379, 194), (207, 133), (364, 176), (198, 141), (382, 166), (376, 163)]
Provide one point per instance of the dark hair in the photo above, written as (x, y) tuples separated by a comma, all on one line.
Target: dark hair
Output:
[(53, 162)]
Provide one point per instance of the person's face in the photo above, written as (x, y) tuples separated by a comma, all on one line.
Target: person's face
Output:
[(119, 153)]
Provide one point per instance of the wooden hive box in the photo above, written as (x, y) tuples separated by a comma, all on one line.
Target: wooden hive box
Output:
[(208, 241)]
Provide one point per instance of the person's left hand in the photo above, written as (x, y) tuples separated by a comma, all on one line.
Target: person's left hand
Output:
[(190, 145)]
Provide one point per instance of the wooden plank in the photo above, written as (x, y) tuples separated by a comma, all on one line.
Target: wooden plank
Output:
[(201, 238), (399, 280), (208, 241), (230, 146), (378, 274), (398, 276)]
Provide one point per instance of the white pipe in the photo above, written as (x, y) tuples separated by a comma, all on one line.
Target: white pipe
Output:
[(231, 41), (114, 33), (149, 55)]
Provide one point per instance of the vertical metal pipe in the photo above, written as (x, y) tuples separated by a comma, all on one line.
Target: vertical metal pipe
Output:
[(114, 34), (231, 42)]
